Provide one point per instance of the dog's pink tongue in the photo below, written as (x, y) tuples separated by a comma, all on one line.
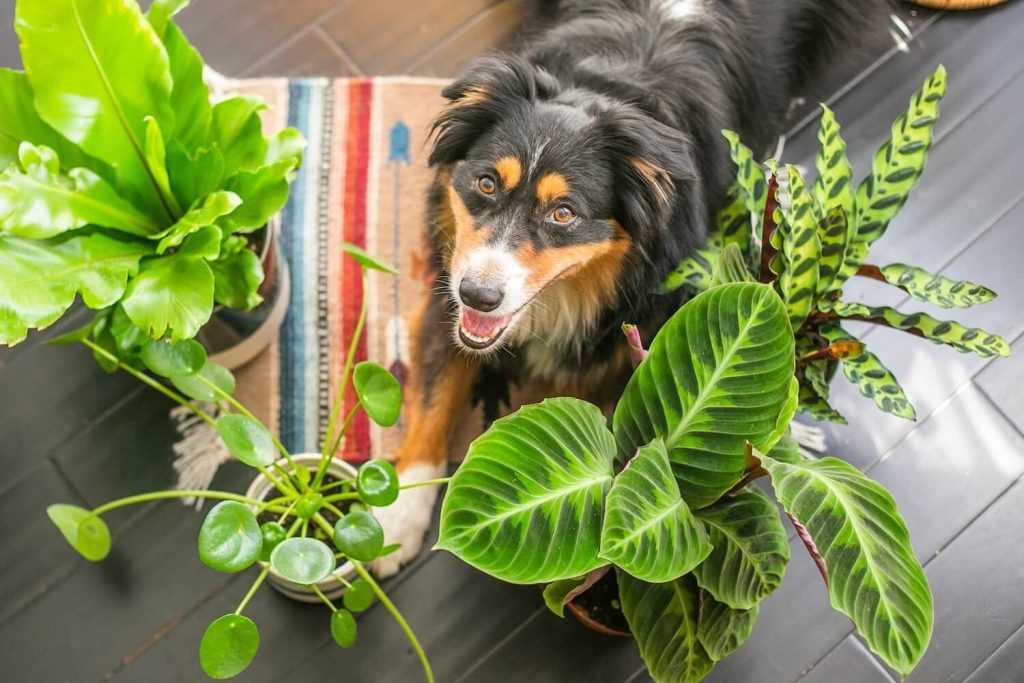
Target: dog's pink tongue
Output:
[(482, 325)]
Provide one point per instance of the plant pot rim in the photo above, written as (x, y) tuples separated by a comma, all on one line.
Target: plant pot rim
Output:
[(332, 587), (584, 618)]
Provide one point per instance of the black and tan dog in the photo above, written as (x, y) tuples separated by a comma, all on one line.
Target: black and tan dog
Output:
[(571, 178)]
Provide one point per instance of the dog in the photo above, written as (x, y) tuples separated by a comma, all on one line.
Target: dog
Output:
[(571, 177)]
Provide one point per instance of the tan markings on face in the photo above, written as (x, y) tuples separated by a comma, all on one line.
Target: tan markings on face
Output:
[(594, 267), (551, 187), (656, 177), (510, 170), (467, 236)]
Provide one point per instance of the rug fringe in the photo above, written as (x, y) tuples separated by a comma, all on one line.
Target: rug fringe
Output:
[(199, 452)]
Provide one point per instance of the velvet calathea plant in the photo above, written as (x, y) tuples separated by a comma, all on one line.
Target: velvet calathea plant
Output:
[(664, 496), (122, 182), (296, 539)]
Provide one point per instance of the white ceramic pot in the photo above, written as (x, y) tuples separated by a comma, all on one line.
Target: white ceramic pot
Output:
[(332, 586)]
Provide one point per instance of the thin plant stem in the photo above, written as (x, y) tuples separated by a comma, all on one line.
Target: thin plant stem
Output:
[(334, 509), (305, 527), (323, 524), (402, 623), (150, 382), (163, 495), (344, 428), (324, 598), (284, 515), (273, 480), (335, 485), (411, 485), (252, 589)]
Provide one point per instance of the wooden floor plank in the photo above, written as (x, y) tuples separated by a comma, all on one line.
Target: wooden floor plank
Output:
[(491, 29)]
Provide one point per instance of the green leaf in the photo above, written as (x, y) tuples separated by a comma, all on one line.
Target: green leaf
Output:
[(801, 250), (303, 560), (247, 440), (834, 187), (190, 97), (377, 483), (228, 646), (833, 234), (74, 53), (723, 629), (230, 539), (264, 192), (648, 529), (343, 628), (237, 131), (198, 387), (288, 146), (171, 295), (526, 504), (203, 244), (365, 260), (817, 406), (203, 214), (750, 549), (237, 276), (128, 339), (167, 359), (717, 376), (664, 620), (194, 175), (731, 267), (379, 393), (359, 596), (161, 11), (963, 339), (560, 593), (873, 575), (156, 160), (37, 201), (85, 532), (899, 162), (359, 535), (19, 122), (873, 379), (733, 220), (936, 289), (39, 279), (272, 534), (750, 178), (697, 270)]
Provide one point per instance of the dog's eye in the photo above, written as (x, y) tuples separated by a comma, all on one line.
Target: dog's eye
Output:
[(563, 215), (486, 185)]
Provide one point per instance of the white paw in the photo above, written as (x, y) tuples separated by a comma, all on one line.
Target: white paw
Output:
[(406, 520)]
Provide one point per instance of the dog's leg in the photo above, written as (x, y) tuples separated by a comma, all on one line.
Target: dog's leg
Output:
[(439, 388)]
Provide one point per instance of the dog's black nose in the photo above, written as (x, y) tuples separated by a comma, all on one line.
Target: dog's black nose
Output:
[(481, 297)]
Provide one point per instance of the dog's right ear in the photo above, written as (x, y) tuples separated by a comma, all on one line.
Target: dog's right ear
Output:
[(491, 89)]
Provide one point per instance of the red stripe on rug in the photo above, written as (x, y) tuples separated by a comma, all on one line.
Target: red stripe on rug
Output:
[(357, 165)]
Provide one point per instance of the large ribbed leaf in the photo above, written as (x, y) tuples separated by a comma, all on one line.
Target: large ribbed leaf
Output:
[(936, 289), (664, 619), (873, 379), (648, 529), (899, 162), (722, 629), (798, 280), (526, 504), (717, 376), (750, 549), (963, 339), (872, 573)]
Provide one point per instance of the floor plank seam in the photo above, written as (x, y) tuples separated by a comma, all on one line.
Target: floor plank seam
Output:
[(288, 41), (340, 51), (500, 644), (994, 652), (422, 58)]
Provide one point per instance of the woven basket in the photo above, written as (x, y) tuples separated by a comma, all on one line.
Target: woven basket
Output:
[(958, 4)]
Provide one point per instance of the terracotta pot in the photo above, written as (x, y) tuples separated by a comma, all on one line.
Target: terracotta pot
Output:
[(958, 4), (584, 618)]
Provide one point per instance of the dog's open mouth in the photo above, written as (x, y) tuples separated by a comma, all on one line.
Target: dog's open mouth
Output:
[(481, 331)]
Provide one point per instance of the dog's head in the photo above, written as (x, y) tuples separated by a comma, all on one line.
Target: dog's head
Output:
[(557, 198)]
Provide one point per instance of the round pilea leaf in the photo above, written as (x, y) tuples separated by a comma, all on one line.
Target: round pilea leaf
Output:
[(230, 539), (87, 534), (343, 628), (377, 483), (247, 440), (365, 260), (302, 560), (359, 535), (359, 597), (228, 646), (273, 534), (379, 393), (167, 359), (194, 387)]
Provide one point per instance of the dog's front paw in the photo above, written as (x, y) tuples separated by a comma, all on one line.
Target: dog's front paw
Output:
[(406, 520)]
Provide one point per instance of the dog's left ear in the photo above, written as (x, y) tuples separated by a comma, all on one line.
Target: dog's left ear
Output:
[(655, 169), (492, 88)]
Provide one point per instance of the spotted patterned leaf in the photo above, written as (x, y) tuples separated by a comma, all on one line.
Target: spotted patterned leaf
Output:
[(871, 377), (695, 271), (526, 504), (936, 289), (734, 219), (873, 576), (649, 531), (817, 407), (723, 629), (801, 250), (899, 162), (750, 549), (717, 376), (750, 178), (833, 235), (834, 187), (963, 339), (664, 619)]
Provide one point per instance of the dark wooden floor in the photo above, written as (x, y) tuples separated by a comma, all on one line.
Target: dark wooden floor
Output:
[(70, 433)]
